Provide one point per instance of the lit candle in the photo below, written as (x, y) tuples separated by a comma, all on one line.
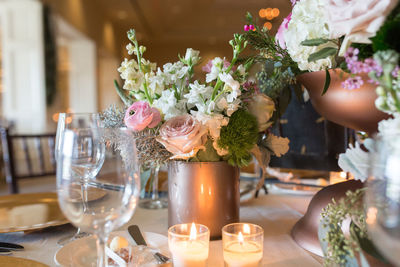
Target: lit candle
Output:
[(189, 248), (243, 245)]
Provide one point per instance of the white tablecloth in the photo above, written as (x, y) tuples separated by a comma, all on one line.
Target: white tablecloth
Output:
[(276, 213)]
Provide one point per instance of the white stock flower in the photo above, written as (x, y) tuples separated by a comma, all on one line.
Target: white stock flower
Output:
[(356, 161), (231, 86), (129, 71), (169, 105), (217, 65), (241, 69), (192, 54), (389, 127), (308, 21), (156, 83), (130, 48), (174, 72), (198, 94)]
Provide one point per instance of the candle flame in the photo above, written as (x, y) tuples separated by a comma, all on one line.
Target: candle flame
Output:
[(371, 215), (240, 238), (193, 232), (343, 175), (202, 189), (246, 229)]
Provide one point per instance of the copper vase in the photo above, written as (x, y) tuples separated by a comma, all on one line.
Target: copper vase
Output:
[(354, 109), (203, 192)]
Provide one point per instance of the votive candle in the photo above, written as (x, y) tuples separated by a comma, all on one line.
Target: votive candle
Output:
[(242, 244), (189, 244)]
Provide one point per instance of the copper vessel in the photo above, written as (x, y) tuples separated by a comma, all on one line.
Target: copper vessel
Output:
[(354, 109), (203, 192), (305, 231)]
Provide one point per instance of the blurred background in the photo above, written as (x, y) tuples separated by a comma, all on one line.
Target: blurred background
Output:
[(62, 55)]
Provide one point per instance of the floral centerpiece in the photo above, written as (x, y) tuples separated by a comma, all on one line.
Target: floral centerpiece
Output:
[(222, 117), (319, 35)]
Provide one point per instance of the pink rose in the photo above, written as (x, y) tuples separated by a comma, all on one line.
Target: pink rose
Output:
[(140, 115), (359, 20), (183, 136), (279, 37)]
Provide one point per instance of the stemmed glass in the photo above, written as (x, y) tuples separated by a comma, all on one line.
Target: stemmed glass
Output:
[(383, 197), (79, 121), (118, 182)]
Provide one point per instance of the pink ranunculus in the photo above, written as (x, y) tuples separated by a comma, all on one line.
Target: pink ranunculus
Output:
[(140, 115), (183, 136), (279, 37), (356, 20)]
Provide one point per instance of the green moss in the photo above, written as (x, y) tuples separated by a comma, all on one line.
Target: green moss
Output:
[(239, 137)]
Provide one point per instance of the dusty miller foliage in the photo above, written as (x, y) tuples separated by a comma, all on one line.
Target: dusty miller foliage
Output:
[(150, 151)]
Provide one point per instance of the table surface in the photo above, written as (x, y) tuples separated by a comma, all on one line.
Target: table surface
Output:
[(276, 213)]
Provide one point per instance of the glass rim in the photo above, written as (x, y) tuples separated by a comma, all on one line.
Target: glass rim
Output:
[(187, 235), (225, 232)]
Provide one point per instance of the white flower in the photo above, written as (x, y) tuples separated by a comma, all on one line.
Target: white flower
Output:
[(278, 145), (217, 65), (193, 55), (220, 151), (213, 122), (231, 86), (169, 105), (130, 48), (356, 161), (174, 72), (389, 127), (308, 22), (198, 94), (156, 83), (129, 71)]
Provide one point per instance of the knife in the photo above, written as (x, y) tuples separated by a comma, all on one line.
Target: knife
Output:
[(11, 246), (4, 251), (135, 233)]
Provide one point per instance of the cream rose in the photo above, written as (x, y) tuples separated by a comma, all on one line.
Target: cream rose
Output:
[(262, 107), (183, 136), (358, 20)]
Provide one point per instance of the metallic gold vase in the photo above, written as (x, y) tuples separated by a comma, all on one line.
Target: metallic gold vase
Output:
[(203, 192)]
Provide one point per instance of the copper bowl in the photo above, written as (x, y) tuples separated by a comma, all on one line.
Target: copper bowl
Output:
[(354, 109), (305, 231)]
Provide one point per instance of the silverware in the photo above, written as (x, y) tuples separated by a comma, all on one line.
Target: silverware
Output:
[(134, 231), (4, 251), (11, 246)]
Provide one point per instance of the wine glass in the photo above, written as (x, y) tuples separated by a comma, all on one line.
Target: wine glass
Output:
[(78, 121), (117, 184), (383, 197)]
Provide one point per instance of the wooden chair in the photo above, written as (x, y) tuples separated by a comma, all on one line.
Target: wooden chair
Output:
[(35, 166)]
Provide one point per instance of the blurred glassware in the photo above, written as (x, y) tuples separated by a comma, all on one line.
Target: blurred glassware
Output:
[(118, 177), (383, 197), (76, 121)]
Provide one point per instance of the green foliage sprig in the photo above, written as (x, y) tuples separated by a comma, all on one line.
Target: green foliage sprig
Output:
[(239, 137)]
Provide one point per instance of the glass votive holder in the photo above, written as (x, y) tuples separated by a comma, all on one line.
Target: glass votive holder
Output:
[(242, 244), (189, 244)]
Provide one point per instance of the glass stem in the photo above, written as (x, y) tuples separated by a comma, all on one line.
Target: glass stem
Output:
[(84, 193), (101, 251), (154, 194)]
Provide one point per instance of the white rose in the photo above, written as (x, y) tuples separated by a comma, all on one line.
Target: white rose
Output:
[(357, 20), (262, 107)]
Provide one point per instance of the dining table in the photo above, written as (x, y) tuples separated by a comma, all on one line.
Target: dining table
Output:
[(276, 212)]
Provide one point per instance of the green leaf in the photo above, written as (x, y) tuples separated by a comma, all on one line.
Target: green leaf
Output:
[(327, 82), (314, 42), (126, 99), (323, 53)]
